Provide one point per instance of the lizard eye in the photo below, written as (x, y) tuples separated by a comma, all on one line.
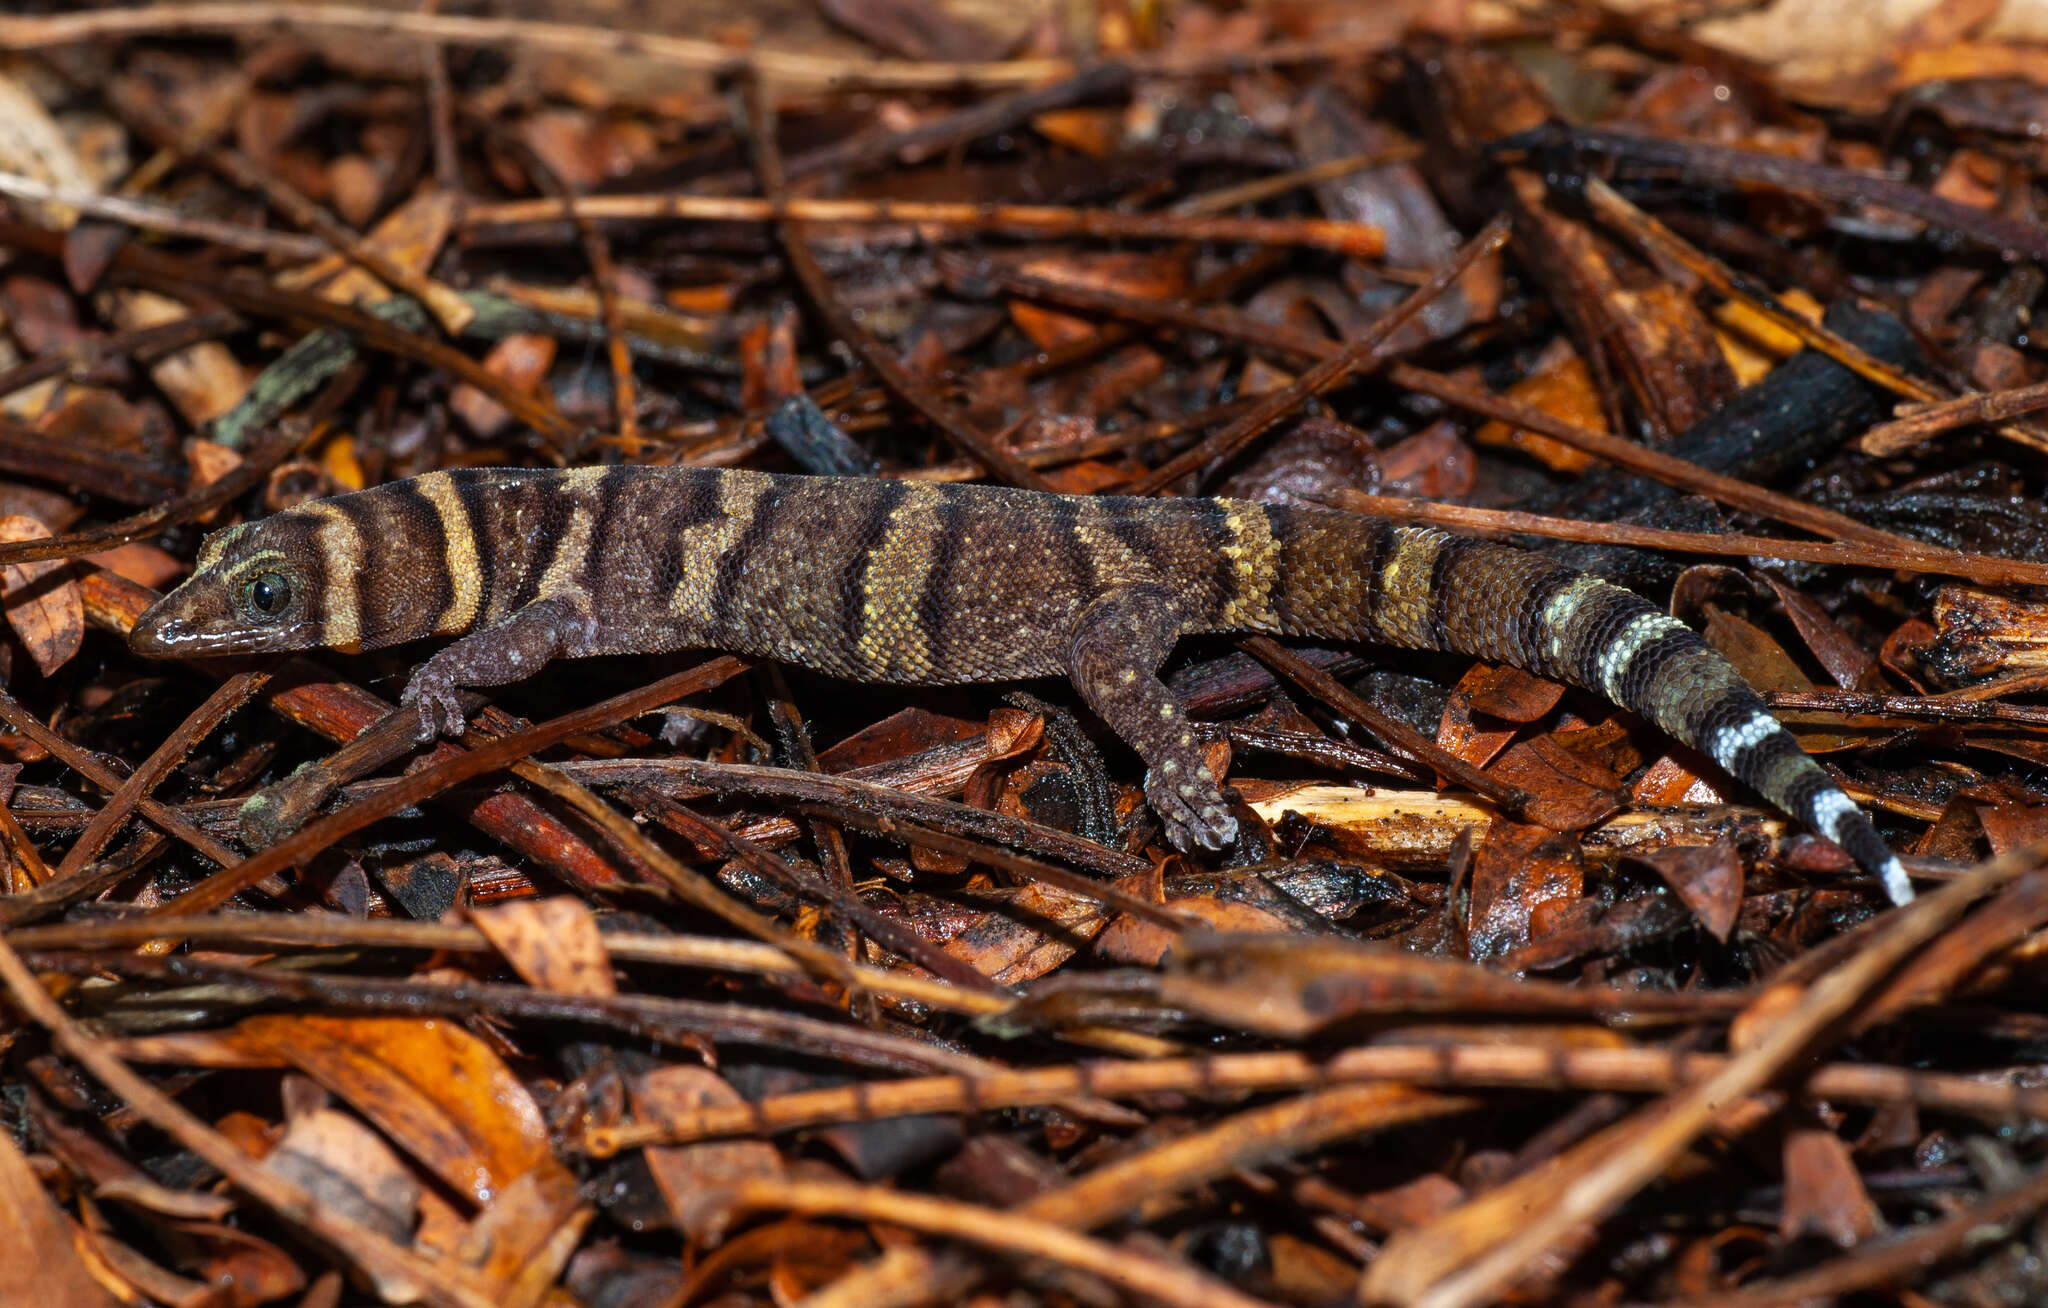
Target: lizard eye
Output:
[(267, 593)]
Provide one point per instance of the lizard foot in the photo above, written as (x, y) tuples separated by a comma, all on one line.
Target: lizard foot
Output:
[(1188, 800), (439, 706)]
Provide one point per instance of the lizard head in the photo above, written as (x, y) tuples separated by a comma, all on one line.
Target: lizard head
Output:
[(256, 588)]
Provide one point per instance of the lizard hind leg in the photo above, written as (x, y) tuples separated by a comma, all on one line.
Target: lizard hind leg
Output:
[(1118, 643)]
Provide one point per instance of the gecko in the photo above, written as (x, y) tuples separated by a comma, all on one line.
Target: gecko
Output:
[(920, 583)]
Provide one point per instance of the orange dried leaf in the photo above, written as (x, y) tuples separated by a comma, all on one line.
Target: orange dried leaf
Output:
[(1519, 868), (209, 462), (429, 1085), (1969, 61), (700, 299), (338, 460), (1571, 791), (1765, 665), (410, 236), (1669, 781), (565, 141), (1754, 344), (1824, 1194), (1142, 276), (522, 360), (1034, 930), (1509, 694), (1093, 132), (260, 1271), (1432, 464), (1562, 387), (356, 185), (769, 367), (1458, 734), (2012, 826), (1262, 378), (1846, 660), (1048, 328), (1129, 940), (524, 1238), (202, 381), (1411, 1203), (145, 565)]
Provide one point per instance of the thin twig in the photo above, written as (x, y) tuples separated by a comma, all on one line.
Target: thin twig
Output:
[(144, 216), (1360, 240), (1924, 421), (1143, 1275), (259, 930), (232, 879), (702, 54), (1533, 1066), (1473, 1253), (604, 282), (1393, 731), (1926, 560)]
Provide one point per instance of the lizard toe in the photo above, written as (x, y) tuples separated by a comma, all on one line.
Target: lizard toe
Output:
[(453, 721), (425, 729), (1193, 819), (439, 706)]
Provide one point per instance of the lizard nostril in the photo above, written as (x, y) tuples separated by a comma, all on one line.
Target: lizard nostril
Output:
[(152, 634)]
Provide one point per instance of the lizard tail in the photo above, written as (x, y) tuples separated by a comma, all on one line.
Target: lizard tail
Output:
[(1421, 588)]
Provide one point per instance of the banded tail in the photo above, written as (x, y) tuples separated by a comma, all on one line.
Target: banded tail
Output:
[(1420, 588)]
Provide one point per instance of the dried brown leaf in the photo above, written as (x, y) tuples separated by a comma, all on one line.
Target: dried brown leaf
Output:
[(42, 600), (1823, 1192), (553, 943), (1707, 878), (523, 1239), (690, 1175), (1518, 869), (56, 1275)]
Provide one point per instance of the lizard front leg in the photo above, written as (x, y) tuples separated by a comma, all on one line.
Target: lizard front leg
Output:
[(510, 650), (1119, 641)]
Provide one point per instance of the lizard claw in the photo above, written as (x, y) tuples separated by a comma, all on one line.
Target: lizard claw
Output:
[(1193, 810)]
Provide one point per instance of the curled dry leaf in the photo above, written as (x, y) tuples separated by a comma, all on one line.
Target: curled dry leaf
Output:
[(41, 599), (1707, 878), (1824, 1194), (432, 1087)]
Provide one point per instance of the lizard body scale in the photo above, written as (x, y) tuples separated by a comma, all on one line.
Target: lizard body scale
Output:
[(921, 583)]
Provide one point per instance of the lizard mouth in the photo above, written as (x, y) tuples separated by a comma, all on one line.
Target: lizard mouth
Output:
[(161, 634)]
